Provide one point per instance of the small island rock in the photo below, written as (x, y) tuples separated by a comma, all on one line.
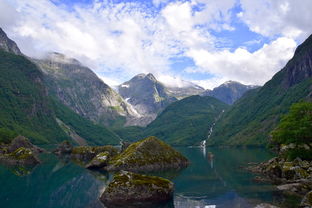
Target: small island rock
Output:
[(150, 154), (135, 189)]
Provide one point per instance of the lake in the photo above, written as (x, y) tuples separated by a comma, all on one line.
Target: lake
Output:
[(218, 181)]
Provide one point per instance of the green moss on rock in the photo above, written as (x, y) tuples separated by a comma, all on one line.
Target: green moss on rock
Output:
[(99, 161), (132, 188), (87, 153), (150, 154)]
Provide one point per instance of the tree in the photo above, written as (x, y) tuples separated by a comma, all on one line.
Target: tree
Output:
[(296, 126)]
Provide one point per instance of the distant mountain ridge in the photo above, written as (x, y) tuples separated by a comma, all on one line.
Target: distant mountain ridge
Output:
[(229, 92)]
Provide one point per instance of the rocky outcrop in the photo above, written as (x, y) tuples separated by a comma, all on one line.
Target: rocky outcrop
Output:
[(99, 161), (19, 152), (136, 190), (7, 44), (86, 153), (229, 91), (150, 154)]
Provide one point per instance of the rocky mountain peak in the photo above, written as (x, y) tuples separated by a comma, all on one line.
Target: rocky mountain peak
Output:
[(7, 44), (229, 91)]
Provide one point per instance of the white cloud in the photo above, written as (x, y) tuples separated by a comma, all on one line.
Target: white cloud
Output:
[(124, 39), (289, 18), (243, 66)]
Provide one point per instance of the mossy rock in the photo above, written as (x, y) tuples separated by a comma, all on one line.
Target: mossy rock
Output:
[(135, 189), (150, 154), (87, 153), (64, 148), (99, 161), (307, 200), (288, 171), (21, 156)]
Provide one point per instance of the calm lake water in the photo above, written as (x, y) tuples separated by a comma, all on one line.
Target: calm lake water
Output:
[(220, 181)]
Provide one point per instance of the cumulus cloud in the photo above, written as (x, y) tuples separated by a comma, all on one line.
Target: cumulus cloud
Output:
[(249, 68), (289, 18), (126, 38)]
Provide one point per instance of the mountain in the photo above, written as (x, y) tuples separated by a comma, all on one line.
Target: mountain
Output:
[(79, 88), (229, 91), (257, 113), (147, 95), (7, 44), (27, 108), (183, 89), (184, 122)]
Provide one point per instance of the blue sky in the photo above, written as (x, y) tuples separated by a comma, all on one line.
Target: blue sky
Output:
[(206, 42)]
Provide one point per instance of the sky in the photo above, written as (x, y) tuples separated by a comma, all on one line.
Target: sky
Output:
[(206, 42)]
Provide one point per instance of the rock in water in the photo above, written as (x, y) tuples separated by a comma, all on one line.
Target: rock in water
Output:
[(87, 153), (150, 154), (135, 190), (64, 148), (99, 161), (21, 156), (21, 141)]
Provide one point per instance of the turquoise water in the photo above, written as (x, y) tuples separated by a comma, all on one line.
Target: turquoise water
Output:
[(219, 181)]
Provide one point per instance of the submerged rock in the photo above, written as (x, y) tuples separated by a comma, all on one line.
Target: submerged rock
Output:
[(87, 153), (135, 189), (150, 154), (99, 161)]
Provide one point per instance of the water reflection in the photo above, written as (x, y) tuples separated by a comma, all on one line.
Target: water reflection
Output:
[(214, 178)]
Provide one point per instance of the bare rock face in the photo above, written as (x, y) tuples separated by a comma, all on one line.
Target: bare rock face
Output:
[(150, 154), (147, 95), (136, 190), (8, 45)]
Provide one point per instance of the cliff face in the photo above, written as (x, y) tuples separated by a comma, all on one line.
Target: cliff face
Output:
[(7, 44), (79, 88)]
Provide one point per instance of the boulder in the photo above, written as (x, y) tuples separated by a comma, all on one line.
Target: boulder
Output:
[(150, 154), (99, 161), (64, 148), (87, 153), (136, 190), (307, 200), (21, 156), (21, 141)]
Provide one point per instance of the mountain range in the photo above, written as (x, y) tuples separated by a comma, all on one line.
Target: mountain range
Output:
[(57, 98)]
